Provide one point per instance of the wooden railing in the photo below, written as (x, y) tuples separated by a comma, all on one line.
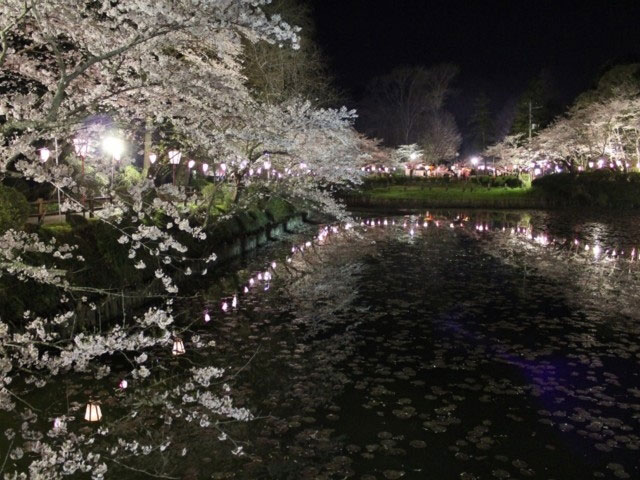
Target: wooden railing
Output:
[(40, 208)]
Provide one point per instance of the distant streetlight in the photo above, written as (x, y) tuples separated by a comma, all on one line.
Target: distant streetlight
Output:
[(267, 166), (45, 153), (114, 147), (174, 159), (81, 147), (190, 165), (205, 167)]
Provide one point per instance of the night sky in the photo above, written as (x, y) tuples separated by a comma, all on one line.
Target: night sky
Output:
[(498, 45)]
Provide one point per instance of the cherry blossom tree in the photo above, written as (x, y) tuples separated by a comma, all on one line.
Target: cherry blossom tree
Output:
[(87, 71), (601, 130)]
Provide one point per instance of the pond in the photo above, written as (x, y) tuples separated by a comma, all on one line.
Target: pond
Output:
[(444, 345)]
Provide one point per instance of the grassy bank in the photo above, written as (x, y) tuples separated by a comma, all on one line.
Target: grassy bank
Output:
[(411, 196), (599, 189)]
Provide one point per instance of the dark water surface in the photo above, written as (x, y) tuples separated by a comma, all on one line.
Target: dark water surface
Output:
[(463, 351)]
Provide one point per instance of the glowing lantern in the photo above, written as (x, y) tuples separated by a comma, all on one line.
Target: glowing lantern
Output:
[(152, 158), (205, 167), (45, 153), (93, 413), (178, 347), (207, 317), (225, 306), (174, 157), (234, 302), (81, 147), (191, 164), (123, 384)]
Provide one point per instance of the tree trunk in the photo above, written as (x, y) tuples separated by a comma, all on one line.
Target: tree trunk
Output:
[(148, 131), (236, 192)]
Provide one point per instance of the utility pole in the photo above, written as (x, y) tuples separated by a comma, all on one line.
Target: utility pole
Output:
[(530, 122)]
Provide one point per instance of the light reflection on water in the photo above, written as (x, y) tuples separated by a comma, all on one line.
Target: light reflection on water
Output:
[(449, 352)]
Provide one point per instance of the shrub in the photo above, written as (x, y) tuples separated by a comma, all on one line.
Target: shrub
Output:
[(130, 176), (513, 182), (601, 188), (14, 209), (485, 180)]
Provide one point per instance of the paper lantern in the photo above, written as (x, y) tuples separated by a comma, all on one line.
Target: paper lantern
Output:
[(174, 157), (178, 347), (93, 413), (45, 153)]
